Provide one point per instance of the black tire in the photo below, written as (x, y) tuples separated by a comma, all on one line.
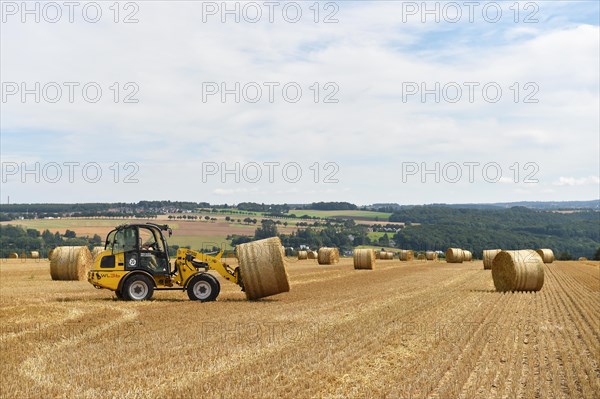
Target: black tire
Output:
[(138, 288), (203, 288), (118, 294)]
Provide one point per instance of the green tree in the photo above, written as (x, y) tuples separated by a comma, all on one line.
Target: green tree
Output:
[(33, 233), (235, 240), (268, 229), (96, 240), (48, 237), (384, 240)]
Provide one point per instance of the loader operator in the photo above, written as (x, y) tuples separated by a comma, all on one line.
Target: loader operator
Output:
[(146, 252)]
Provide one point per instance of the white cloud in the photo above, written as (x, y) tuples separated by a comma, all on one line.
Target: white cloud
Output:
[(369, 54), (232, 191), (581, 181), (506, 180)]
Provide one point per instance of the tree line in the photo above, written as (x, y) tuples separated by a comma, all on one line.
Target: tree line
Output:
[(21, 240), (571, 235)]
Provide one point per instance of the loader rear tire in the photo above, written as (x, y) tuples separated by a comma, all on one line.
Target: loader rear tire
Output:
[(119, 294), (203, 288), (138, 288)]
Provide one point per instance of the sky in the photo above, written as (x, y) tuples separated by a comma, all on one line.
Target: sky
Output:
[(298, 102)]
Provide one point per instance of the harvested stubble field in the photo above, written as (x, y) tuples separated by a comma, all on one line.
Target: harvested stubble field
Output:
[(404, 330)]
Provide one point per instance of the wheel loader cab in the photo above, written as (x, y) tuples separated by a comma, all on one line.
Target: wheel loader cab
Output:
[(143, 247)]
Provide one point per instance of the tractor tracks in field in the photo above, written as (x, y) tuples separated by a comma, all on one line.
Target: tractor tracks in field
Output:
[(71, 314), (325, 276), (313, 358), (586, 274), (36, 367), (557, 337), (397, 335), (550, 352), (574, 306), (547, 355), (462, 359), (352, 300)]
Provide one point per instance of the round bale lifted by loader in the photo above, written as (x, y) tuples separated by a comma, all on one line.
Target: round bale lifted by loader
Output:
[(135, 263)]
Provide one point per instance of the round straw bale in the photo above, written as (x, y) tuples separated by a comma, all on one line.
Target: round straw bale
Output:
[(263, 268), (518, 271), (583, 259), (328, 256), (454, 255), (312, 255), (13, 255), (488, 257), (546, 254), (431, 255), (364, 259), (406, 254), (377, 254), (96, 251), (421, 256), (50, 252), (70, 263), (384, 255), (467, 256), (35, 255), (302, 255)]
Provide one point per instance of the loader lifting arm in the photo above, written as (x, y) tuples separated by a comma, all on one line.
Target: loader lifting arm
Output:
[(188, 263)]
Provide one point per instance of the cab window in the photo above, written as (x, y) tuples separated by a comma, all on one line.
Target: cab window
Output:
[(125, 240), (110, 240), (149, 239), (146, 238)]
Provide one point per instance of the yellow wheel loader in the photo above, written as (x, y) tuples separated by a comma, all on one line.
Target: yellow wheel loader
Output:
[(135, 263)]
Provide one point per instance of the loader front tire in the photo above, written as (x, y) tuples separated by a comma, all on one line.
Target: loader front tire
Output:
[(203, 288)]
